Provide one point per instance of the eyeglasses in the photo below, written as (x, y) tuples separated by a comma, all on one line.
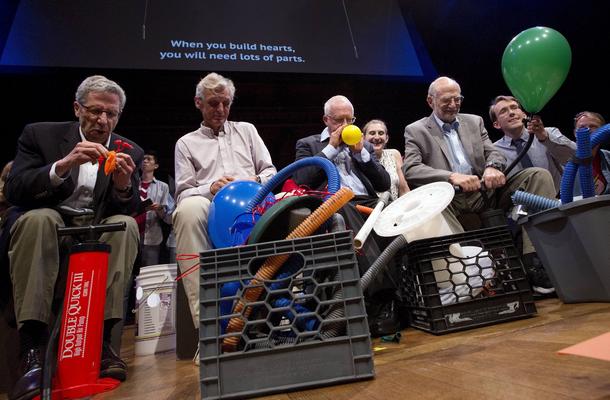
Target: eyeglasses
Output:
[(447, 100), (340, 120), (97, 112)]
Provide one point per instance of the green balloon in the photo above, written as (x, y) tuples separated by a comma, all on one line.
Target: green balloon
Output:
[(535, 64)]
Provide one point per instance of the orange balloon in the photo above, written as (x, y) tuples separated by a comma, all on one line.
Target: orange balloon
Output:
[(110, 165)]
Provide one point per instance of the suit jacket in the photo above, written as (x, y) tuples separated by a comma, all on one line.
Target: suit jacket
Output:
[(372, 174), (39, 146), (427, 153)]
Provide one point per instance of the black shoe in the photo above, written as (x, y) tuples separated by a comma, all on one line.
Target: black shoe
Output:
[(386, 322), (28, 386), (112, 366), (537, 277)]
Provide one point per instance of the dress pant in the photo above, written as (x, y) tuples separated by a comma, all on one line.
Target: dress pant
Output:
[(36, 271), (532, 180), (190, 222)]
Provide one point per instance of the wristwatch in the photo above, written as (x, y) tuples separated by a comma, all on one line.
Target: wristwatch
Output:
[(495, 164)]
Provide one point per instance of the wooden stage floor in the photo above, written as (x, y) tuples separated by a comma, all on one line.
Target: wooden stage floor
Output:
[(514, 360)]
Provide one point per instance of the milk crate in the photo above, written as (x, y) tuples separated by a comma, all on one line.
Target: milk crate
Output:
[(464, 281), (308, 327)]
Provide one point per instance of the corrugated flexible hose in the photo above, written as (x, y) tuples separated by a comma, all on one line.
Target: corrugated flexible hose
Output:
[(270, 267)]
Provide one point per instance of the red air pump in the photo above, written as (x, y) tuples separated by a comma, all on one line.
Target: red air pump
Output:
[(82, 318)]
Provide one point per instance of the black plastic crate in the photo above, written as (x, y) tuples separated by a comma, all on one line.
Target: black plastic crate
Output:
[(286, 341), (446, 293)]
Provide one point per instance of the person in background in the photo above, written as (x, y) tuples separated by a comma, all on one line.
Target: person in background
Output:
[(159, 210), (56, 165), (376, 132), (5, 278), (449, 146), (218, 152), (601, 157), (4, 204), (550, 149)]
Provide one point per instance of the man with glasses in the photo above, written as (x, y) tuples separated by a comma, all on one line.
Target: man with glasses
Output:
[(450, 146), (357, 164), (360, 171), (57, 167), (550, 149)]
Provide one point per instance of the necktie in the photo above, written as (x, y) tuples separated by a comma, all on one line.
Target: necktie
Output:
[(343, 159), (447, 126), (457, 152), (526, 162)]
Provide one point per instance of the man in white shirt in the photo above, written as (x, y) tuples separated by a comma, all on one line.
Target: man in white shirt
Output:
[(207, 159)]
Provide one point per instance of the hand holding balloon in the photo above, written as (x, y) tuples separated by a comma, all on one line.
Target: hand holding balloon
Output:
[(535, 64), (536, 127)]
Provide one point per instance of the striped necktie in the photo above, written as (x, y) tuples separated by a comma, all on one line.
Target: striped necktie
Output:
[(526, 162)]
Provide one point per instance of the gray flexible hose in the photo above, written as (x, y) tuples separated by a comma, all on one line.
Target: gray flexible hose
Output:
[(336, 311), (380, 263)]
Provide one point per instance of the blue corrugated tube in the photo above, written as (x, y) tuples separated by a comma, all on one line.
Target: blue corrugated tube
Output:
[(533, 202), (584, 142), (583, 151), (334, 180), (303, 323), (567, 182), (602, 135)]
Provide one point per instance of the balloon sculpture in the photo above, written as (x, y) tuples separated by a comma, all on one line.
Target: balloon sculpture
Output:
[(535, 64)]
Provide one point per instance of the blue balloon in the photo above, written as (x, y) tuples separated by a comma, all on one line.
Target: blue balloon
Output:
[(228, 204)]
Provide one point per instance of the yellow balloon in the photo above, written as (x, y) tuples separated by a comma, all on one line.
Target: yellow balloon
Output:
[(351, 135)]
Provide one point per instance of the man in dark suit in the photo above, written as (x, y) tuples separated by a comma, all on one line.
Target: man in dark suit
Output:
[(359, 170), (452, 147), (57, 165), (358, 166)]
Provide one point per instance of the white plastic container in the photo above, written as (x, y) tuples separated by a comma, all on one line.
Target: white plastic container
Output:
[(156, 309), (418, 215)]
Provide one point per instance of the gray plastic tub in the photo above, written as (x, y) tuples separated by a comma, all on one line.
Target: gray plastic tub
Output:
[(573, 243)]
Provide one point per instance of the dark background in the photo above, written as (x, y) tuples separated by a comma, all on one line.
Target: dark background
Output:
[(465, 40)]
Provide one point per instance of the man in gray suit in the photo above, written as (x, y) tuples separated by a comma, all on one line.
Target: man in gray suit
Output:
[(452, 147)]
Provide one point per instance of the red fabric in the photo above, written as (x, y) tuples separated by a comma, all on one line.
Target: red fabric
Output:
[(289, 186)]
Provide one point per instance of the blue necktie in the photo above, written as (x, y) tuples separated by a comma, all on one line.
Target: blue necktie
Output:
[(526, 162), (459, 158), (447, 127)]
